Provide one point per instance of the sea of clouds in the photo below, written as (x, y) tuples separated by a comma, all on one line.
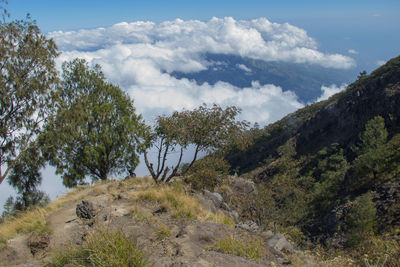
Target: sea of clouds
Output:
[(140, 57)]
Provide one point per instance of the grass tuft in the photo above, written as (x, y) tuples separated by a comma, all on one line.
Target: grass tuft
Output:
[(243, 246), (102, 248), (182, 205)]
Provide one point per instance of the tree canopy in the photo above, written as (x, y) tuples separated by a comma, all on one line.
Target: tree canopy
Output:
[(28, 80), (205, 128), (95, 131)]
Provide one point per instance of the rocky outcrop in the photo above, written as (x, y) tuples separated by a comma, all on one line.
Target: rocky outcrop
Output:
[(387, 203), (85, 210)]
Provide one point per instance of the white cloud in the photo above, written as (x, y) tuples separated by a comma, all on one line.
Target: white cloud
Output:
[(180, 45), (141, 56), (380, 62), (243, 67), (352, 51), (328, 91)]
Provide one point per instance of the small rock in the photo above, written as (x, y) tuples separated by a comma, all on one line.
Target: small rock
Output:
[(85, 210)]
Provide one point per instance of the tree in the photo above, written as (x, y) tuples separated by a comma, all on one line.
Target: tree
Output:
[(28, 81), (362, 74), (373, 155), (26, 177), (360, 221), (95, 131), (205, 128)]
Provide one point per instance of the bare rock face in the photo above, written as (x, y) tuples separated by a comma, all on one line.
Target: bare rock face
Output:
[(85, 210)]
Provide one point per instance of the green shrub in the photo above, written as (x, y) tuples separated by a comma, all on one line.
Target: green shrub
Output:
[(207, 173), (361, 220)]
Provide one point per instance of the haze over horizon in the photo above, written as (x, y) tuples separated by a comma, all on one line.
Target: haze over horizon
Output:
[(140, 44)]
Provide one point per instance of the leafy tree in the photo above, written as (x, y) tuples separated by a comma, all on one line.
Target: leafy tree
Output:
[(206, 128), (26, 177), (28, 81), (373, 155), (95, 131)]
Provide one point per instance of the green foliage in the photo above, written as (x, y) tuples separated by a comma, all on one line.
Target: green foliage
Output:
[(102, 249), (207, 129), (95, 131), (28, 81), (360, 220), (207, 173), (26, 177), (330, 175), (371, 163)]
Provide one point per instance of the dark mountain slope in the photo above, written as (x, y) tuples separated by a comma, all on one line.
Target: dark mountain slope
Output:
[(336, 120)]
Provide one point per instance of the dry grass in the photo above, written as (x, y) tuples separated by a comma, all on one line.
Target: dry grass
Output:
[(242, 246), (179, 203)]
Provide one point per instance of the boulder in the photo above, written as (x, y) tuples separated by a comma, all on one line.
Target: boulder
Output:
[(215, 197), (85, 210), (279, 243)]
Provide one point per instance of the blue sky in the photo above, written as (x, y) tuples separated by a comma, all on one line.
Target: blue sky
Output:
[(370, 27)]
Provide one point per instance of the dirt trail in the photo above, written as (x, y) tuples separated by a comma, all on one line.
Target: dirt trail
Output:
[(187, 242)]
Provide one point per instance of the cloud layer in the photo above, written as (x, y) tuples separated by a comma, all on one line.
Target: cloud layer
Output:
[(140, 57)]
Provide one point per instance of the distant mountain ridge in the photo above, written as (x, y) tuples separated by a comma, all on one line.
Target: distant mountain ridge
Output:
[(336, 120), (303, 79)]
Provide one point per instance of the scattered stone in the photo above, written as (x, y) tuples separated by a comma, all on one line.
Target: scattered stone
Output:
[(248, 226), (279, 243), (85, 210), (38, 242)]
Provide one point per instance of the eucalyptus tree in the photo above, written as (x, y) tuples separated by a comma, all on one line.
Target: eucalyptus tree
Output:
[(95, 131), (28, 86), (207, 129)]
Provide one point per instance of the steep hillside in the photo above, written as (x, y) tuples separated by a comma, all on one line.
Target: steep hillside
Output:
[(339, 119), (329, 174)]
